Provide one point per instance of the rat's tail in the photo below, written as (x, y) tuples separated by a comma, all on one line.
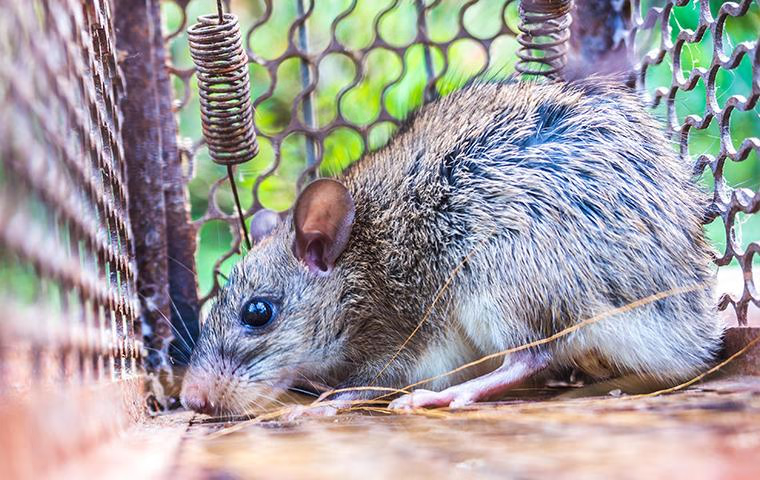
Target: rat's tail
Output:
[(625, 385)]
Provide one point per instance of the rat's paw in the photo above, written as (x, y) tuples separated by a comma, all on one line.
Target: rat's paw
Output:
[(429, 399), (302, 411), (462, 401)]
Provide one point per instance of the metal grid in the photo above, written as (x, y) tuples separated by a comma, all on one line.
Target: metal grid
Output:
[(652, 35), (689, 79), (67, 276), (64, 215), (321, 44)]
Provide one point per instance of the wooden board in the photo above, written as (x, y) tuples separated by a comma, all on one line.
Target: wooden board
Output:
[(710, 431)]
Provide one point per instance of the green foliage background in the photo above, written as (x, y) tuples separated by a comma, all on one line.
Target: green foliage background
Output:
[(362, 104)]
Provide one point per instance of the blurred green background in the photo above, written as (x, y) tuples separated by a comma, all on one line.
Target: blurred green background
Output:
[(361, 104)]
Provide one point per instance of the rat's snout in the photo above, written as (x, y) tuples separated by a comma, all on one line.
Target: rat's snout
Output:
[(217, 393), (194, 397), (199, 393)]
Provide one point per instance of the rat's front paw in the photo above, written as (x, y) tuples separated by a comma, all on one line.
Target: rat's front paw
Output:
[(429, 399)]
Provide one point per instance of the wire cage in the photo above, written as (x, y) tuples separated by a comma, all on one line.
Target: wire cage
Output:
[(332, 80), (116, 227), (70, 311), (704, 77)]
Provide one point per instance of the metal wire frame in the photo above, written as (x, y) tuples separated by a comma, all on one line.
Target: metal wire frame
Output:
[(68, 303), (727, 201), (77, 180), (302, 117)]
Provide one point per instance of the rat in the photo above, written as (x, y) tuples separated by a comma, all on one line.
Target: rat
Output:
[(497, 216)]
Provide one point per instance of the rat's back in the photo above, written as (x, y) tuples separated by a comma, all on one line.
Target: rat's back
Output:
[(569, 203)]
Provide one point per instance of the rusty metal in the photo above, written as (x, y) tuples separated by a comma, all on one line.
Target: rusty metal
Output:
[(79, 238), (308, 100), (599, 26), (164, 240), (737, 339), (181, 244), (544, 32), (597, 40), (142, 145), (727, 201), (69, 309), (224, 88), (225, 95)]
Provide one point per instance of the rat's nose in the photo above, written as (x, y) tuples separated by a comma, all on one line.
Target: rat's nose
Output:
[(195, 398)]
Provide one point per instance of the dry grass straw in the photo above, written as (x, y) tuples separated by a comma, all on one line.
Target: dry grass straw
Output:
[(702, 375), (437, 297), (566, 331)]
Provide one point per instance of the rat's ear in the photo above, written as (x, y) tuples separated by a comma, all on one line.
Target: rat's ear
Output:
[(262, 224), (322, 217)]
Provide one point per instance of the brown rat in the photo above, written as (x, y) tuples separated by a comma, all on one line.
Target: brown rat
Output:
[(563, 200)]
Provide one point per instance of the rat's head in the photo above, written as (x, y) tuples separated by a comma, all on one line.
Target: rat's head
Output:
[(276, 321)]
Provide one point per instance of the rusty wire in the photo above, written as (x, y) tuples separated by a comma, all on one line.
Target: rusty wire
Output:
[(544, 32), (68, 275), (225, 95), (224, 89), (727, 200)]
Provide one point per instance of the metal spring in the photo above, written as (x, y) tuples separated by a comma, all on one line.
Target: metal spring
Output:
[(545, 30), (224, 88)]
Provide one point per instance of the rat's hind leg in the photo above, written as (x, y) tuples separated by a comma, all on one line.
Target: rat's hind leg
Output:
[(516, 368)]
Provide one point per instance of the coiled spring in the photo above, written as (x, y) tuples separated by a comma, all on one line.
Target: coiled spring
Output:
[(545, 30), (224, 88), (225, 94)]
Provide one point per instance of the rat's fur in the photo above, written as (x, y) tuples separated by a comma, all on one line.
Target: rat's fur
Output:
[(570, 201)]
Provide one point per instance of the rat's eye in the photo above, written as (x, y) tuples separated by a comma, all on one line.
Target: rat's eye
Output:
[(258, 312)]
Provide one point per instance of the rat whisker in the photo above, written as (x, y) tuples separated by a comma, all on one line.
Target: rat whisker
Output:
[(181, 264), (177, 333), (168, 322), (179, 353), (305, 392), (182, 321), (270, 398), (323, 386)]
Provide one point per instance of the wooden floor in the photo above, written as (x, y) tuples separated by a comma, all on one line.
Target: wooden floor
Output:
[(710, 431)]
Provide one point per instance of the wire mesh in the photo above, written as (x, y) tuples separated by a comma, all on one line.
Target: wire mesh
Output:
[(700, 64), (330, 80), (313, 62), (67, 275)]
